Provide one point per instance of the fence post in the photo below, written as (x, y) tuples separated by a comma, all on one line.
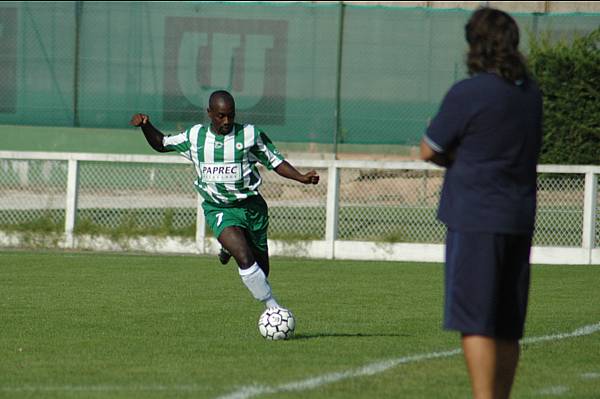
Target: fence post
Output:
[(200, 226), (71, 204), (331, 221), (338, 82), (590, 212)]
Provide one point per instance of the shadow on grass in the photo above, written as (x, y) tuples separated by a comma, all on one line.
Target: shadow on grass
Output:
[(343, 335)]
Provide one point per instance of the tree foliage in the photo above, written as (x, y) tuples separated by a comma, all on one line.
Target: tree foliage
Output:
[(568, 73)]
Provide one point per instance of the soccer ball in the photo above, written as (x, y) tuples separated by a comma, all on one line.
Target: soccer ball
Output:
[(276, 323)]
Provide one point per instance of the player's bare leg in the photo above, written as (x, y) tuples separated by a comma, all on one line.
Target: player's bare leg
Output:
[(230, 238), (224, 256), (262, 258), (492, 365), (507, 360), (234, 240)]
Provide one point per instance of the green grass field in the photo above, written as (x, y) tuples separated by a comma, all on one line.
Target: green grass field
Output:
[(83, 325)]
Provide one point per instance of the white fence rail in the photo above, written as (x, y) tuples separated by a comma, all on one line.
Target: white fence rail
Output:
[(361, 210)]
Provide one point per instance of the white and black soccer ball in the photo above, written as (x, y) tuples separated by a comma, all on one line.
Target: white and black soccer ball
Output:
[(276, 324)]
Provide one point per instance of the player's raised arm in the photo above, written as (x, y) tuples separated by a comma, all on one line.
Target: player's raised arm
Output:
[(286, 170), (152, 134)]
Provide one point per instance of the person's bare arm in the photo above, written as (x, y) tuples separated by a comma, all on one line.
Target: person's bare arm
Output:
[(440, 159), (285, 169), (153, 136)]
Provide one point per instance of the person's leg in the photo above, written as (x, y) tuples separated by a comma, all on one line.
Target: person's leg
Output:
[(486, 305), (261, 256), (257, 221), (224, 256), (218, 218), (506, 366), (514, 280), (492, 364), (480, 356), (233, 238)]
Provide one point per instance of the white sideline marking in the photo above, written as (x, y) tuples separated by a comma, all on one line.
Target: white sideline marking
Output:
[(556, 391), (300, 385), (314, 382), (590, 376), (379, 367)]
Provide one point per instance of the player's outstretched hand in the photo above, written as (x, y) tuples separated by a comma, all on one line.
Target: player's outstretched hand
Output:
[(139, 120), (311, 177)]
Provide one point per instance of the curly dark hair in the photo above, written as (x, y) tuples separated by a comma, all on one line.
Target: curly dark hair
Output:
[(493, 38)]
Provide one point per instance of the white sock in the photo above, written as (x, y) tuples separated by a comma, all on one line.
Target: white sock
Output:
[(256, 281)]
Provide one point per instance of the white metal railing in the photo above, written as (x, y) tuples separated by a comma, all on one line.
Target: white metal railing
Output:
[(331, 246)]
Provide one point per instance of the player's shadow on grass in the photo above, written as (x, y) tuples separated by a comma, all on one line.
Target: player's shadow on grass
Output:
[(344, 335)]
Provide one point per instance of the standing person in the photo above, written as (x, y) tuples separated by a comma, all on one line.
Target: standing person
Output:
[(487, 134), (225, 155)]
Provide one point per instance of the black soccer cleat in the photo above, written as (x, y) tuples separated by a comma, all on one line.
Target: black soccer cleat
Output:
[(224, 256)]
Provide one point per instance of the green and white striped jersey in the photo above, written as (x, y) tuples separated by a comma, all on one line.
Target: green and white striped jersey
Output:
[(226, 164)]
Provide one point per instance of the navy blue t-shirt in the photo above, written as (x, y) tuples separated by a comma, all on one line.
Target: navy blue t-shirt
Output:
[(494, 127)]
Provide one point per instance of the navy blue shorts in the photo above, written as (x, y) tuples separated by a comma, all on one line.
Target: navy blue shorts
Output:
[(487, 283)]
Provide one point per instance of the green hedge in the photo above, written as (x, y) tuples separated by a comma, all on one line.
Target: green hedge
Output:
[(568, 73)]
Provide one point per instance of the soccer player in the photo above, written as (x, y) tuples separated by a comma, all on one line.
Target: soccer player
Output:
[(487, 133), (225, 155)]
